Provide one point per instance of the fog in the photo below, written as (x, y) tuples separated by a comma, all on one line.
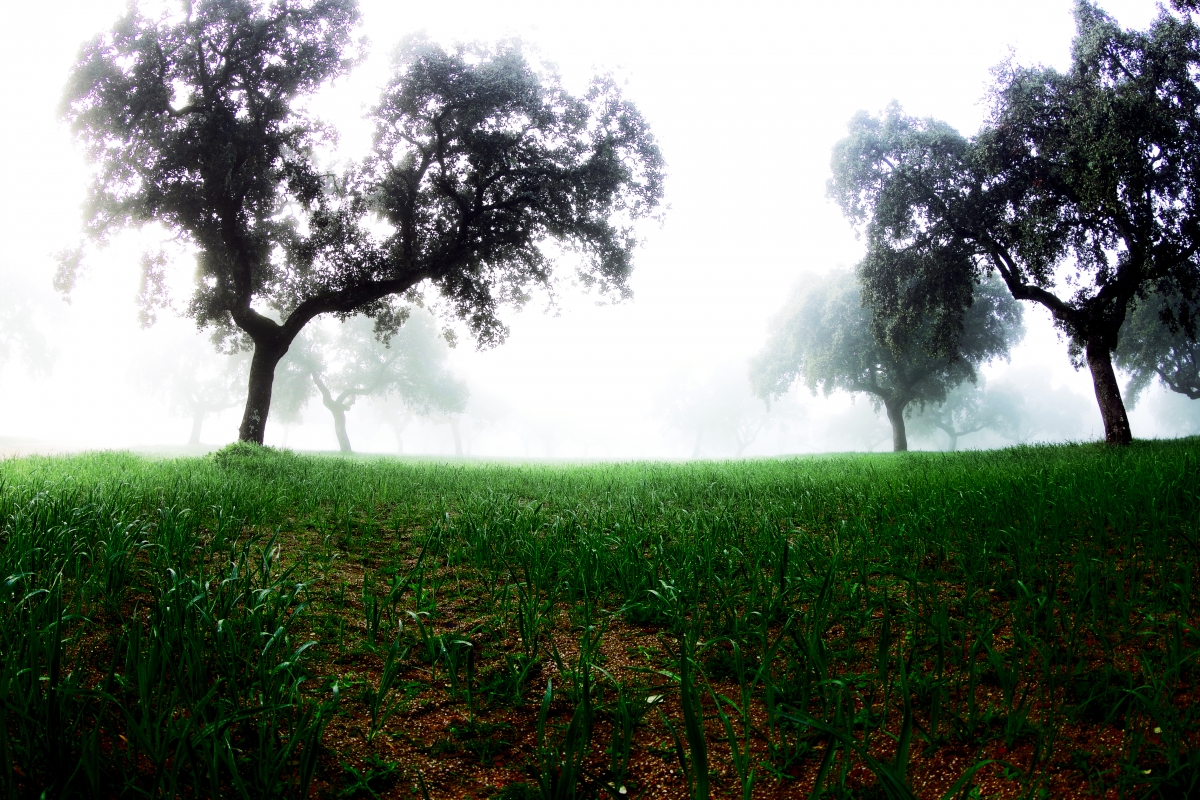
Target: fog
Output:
[(746, 101)]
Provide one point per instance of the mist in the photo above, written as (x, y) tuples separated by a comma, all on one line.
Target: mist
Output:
[(746, 105)]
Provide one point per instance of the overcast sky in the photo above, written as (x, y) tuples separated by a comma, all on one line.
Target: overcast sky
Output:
[(746, 100)]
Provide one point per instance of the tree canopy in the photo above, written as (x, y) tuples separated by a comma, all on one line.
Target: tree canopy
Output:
[(195, 123), (826, 337), (1080, 191)]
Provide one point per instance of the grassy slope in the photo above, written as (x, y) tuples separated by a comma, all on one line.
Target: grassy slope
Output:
[(881, 621)]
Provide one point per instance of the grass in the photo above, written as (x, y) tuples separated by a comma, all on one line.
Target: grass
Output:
[(1019, 623)]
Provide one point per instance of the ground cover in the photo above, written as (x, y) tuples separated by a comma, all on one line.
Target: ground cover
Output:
[(1020, 623)]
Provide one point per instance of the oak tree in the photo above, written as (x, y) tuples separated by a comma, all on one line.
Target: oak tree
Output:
[(971, 408), (196, 123), (353, 364), (826, 337), (1080, 191)]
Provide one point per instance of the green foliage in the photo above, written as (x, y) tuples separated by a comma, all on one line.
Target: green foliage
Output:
[(255, 460), (376, 776)]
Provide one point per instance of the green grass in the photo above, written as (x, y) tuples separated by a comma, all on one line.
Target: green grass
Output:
[(259, 624)]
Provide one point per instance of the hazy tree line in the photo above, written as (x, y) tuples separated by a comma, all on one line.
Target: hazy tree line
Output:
[(1078, 193)]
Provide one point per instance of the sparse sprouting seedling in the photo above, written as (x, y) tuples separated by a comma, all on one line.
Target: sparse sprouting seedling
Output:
[(377, 775), (382, 701)]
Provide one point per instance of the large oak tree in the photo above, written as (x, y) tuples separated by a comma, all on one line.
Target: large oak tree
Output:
[(1081, 191), (195, 122)]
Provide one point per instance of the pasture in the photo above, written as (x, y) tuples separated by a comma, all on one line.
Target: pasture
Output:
[(257, 623)]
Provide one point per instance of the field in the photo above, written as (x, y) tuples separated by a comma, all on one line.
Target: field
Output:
[(1020, 623)]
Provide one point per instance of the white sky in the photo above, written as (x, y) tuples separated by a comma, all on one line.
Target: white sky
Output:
[(746, 100)]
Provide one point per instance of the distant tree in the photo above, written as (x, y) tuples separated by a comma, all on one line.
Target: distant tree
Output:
[(352, 364), (826, 337), (971, 408), (394, 413), (1175, 414), (454, 421), (196, 124), (857, 426), (197, 381), (721, 411), (1044, 411), (21, 329), (1153, 348), (1080, 191), (20, 336)]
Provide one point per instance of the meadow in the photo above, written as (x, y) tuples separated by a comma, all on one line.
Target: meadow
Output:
[(257, 623)]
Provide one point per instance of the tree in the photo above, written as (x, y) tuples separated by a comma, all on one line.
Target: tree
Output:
[(354, 363), (1151, 347), (1080, 191), (1045, 410), (971, 408), (22, 320), (827, 337), (721, 411), (195, 123), (198, 382)]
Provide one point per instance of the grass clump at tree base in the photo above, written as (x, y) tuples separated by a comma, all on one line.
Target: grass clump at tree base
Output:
[(257, 623)]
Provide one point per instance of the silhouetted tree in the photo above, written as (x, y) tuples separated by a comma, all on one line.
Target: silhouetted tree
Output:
[(1080, 191), (195, 123), (825, 337)]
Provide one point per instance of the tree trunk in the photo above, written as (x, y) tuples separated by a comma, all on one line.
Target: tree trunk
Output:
[(696, 449), (895, 413), (339, 425), (951, 434), (258, 397), (1108, 393), (197, 424), (458, 448), (337, 408)]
